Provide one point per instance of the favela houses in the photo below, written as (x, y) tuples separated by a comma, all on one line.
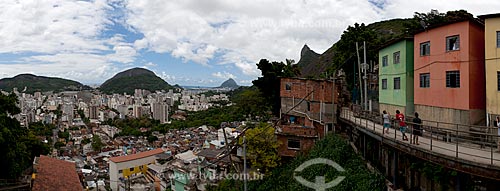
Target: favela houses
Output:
[(219, 95)]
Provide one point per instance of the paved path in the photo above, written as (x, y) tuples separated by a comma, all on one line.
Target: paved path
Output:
[(483, 156)]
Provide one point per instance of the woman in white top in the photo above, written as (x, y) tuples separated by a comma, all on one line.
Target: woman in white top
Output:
[(387, 121)]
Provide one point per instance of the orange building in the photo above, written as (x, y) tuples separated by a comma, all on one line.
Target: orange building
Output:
[(449, 73), (307, 113)]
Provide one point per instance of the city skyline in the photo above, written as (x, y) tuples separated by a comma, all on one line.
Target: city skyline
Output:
[(90, 41)]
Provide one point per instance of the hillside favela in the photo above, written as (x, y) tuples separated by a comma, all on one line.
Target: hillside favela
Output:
[(230, 95)]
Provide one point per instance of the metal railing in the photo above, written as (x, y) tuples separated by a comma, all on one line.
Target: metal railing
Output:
[(455, 140)]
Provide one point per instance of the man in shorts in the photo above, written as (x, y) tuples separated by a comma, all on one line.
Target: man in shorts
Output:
[(417, 128), (387, 121), (402, 125)]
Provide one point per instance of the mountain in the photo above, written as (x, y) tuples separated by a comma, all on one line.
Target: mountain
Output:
[(230, 83), (135, 78), (34, 83), (307, 56), (384, 31)]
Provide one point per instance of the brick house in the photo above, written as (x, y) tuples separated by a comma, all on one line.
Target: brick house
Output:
[(307, 113)]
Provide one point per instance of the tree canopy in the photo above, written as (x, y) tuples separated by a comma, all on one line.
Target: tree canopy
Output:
[(18, 145), (269, 82), (262, 147)]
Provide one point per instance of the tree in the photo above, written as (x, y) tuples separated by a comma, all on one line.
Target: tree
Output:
[(18, 145), (262, 147), (423, 21), (97, 143), (269, 83), (251, 101)]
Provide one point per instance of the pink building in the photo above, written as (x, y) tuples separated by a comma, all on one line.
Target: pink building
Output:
[(449, 73)]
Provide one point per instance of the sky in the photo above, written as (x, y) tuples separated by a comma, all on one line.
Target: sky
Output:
[(186, 42)]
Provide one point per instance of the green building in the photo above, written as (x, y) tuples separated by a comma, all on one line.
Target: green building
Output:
[(396, 77)]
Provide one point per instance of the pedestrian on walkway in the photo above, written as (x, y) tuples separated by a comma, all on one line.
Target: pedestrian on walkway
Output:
[(402, 125), (387, 121), (417, 128), (498, 133)]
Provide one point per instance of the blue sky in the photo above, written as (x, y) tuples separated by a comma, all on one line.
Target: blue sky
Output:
[(186, 42)]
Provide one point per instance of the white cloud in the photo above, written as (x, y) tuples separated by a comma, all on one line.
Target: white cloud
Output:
[(52, 26), (223, 75), (73, 39), (151, 64), (242, 32)]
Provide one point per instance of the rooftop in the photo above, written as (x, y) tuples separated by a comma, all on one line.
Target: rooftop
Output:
[(136, 156), (55, 174)]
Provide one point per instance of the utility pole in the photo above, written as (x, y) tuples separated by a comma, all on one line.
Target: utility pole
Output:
[(365, 69), (359, 75), (244, 163)]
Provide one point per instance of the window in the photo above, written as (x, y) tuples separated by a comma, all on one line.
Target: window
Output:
[(384, 61), (453, 79), (425, 81), (452, 43), (120, 171), (498, 39), (288, 86), (131, 169), (498, 80), (293, 144), (308, 106), (384, 84), (396, 57), (425, 48), (397, 83)]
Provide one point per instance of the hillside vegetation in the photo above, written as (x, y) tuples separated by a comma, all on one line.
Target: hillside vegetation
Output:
[(34, 83), (135, 78), (332, 147)]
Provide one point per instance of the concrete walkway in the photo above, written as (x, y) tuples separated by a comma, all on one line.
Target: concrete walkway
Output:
[(487, 156)]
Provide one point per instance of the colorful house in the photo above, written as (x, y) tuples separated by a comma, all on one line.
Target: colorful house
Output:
[(396, 76), (450, 74), (492, 56)]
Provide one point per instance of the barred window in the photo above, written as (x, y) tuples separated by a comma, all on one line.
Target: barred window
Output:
[(453, 79), (452, 43), (397, 83), (425, 48), (396, 56)]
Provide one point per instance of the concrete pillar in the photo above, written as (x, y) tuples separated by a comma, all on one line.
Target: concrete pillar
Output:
[(394, 168), (386, 161), (364, 146)]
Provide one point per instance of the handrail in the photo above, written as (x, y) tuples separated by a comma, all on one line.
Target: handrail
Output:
[(457, 137)]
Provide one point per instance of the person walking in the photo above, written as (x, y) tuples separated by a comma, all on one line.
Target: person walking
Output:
[(417, 128), (387, 121), (498, 133), (402, 125)]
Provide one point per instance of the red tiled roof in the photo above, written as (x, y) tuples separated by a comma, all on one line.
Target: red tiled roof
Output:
[(136, 156), (54, 174)]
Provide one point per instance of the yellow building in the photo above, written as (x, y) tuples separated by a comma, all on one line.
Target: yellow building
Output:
[(492, 57)]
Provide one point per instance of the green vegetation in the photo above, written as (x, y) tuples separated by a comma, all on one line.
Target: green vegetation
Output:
[(41, 129), (332, 147), (39, 83), (18, 145), (136, 78), (97, 143), (262, 147), (86, 120), (269, 83)]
